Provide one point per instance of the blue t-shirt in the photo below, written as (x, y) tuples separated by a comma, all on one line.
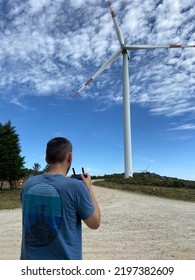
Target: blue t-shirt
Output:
[(52, 209)]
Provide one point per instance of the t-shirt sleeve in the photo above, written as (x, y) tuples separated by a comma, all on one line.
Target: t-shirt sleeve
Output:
[(85, 204)]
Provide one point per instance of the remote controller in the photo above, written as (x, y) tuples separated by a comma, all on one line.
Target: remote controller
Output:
[(78, 176)]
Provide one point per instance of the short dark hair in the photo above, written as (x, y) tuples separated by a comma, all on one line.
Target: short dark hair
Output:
[(57, 150)]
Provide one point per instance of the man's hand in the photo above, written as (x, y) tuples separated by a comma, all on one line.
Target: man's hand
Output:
[(94, 221), (87, 180)]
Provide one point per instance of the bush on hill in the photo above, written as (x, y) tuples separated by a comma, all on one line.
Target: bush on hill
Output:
[(150, 179)]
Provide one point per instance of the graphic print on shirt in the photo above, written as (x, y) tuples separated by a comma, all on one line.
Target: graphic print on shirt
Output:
[(42, 215)]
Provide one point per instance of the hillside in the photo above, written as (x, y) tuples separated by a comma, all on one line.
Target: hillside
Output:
[(150, 179), (152, 184)]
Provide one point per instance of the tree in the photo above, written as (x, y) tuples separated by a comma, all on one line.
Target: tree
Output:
[(11, 163), (36, 168), (46, 169)]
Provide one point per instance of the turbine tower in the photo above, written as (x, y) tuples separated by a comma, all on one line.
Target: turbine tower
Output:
[(126, 90)]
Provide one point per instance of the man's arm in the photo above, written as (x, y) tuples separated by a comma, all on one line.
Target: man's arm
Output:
[(94, 221)]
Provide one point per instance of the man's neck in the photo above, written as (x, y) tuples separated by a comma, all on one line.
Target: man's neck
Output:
[(57, 169)]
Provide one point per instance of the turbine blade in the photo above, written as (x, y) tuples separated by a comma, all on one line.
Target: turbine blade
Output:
[(99, 71), (139, 47), (118, 31)]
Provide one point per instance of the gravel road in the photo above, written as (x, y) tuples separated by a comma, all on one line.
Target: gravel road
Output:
[(133, 226)]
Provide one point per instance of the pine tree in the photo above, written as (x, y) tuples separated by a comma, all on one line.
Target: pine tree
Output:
[(11, 163), (36, 168)]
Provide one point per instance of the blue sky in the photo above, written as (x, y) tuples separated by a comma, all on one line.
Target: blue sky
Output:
[(49, 48)]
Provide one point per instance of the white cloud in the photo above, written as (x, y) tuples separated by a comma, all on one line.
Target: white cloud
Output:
[(52, 46), (187, 126), (18, 103), (36, 6)]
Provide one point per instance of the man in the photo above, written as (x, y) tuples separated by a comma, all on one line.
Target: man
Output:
[(53, 206)]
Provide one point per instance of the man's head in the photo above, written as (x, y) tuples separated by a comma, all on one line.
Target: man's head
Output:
[(58, 150)]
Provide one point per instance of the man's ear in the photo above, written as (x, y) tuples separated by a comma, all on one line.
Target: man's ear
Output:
[(69, 157), (46, 159)]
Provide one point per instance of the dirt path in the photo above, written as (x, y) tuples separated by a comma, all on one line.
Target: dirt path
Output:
[(133, 227)]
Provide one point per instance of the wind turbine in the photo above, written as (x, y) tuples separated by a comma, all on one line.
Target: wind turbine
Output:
[(126, 93)]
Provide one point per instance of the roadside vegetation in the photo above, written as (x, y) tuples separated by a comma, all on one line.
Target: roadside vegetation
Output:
[(151, 184), (10, 199)]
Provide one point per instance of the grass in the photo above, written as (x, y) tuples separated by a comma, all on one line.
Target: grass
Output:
[(185, 194), (10, 199)]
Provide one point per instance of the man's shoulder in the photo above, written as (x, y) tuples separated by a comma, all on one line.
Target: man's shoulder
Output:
[(34, 178), (60, 182)]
